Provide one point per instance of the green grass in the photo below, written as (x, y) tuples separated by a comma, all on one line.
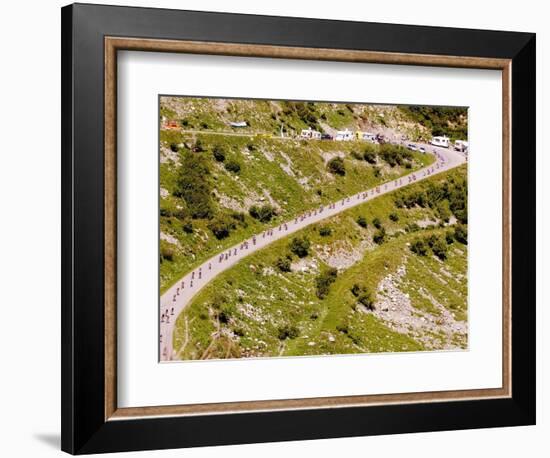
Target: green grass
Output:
[(293, 190), (260, 300)]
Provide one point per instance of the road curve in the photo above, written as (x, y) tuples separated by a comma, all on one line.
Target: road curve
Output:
[(173, 301)]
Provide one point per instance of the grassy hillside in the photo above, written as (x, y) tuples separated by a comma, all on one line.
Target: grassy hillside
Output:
[(209, 184), (388, 275)]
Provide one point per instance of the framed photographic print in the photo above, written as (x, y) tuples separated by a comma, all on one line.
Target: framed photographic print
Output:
[(271, 222)]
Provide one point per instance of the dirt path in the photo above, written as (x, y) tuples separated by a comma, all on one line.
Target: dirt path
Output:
[(174, 301)]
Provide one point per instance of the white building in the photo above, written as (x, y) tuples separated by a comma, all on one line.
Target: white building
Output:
[(343, 135), (310, 133), (440, 141)]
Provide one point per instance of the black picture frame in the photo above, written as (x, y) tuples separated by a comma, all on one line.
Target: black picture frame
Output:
[(84, 427)]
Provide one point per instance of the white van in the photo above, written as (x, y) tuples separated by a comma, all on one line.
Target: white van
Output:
[(440, 141), (344, 136), (461, 145)]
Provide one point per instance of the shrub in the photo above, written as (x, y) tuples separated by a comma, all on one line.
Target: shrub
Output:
[(204, 125), (187, 226), (377, 223), (376, 172), (336, 166), (324, 280), (166, 253), (449, 237), (283, 264), (184, 123), (238, 216), (198, 148), (362, 221), (193, 185), (443, 210), (263, 213), (356, 155), (221, 227), (379, 236), (174, 147), (325, 231), (419, 247), (370, 156), (300, 246), (287, 332), (394, 217), (363, 295), (232, 166), (461, 233), (439, 247), (219, 154)]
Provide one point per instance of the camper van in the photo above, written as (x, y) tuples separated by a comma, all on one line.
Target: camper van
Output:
[(440, 141), (366, 136), (344, 135), (310, 133), (461, 145), (238, 124)]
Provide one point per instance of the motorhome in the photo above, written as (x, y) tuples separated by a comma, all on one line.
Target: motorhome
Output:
[(238, 124), (440, 141), (461, 145), (344, 135), (310, 133), (367, 136)]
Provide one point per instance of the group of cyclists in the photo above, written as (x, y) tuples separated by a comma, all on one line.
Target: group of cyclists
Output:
[(244, 246)]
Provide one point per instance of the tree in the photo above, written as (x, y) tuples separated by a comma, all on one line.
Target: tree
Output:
[(443, 210), (363, 295), (300, 246), (370, 156), (287, 332), (336, 165), (394, 217), (377, 223)]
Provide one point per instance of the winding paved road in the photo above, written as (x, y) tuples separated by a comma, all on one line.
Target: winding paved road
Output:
[(173, 301)]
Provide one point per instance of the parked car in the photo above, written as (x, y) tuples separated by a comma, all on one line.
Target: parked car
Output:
[(422, 149), (412, 147), (326, 137)]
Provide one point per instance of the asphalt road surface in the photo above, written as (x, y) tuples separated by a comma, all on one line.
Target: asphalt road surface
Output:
[(173, 301)]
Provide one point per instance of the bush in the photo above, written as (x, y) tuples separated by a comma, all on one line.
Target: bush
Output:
[(363, 296), (187, 226), (394, 217), (221, 227), (287, 332), (419, 247), (356, 155), (336, 166), (198, 148), (263, 213), (461, 233), (325, 231), (376, 172), (232, 166), (174, 147), (379, 236), (204, 125), (323, 282), (362, 221), (449, 237), (443, 210), (439, 247), (300, 246), (166, 253), (219, 154), (370, 156), (377, 223), (193, 185), (283, 264)]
